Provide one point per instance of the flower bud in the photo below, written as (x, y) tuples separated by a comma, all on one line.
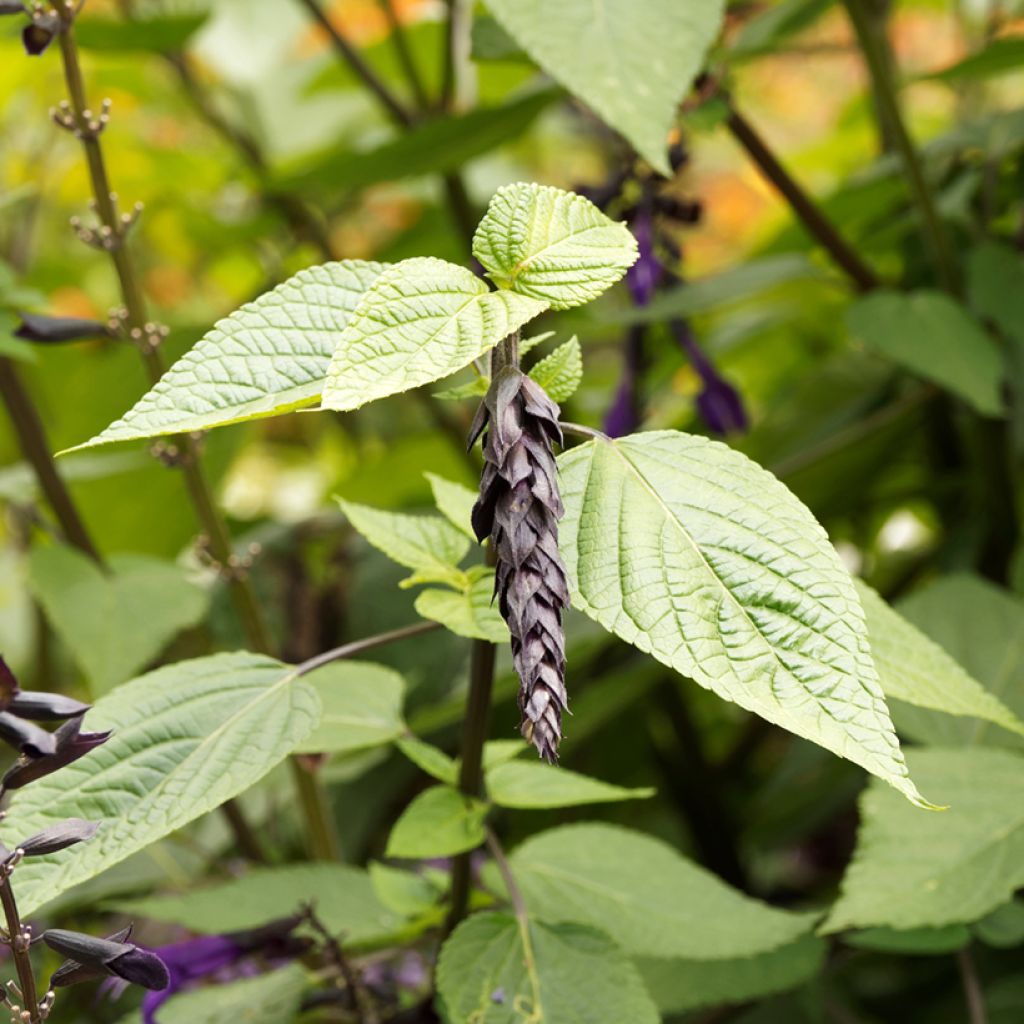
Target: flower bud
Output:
[(37, 35), (58, 837), (35, 327), (46, 707), (28, 739)]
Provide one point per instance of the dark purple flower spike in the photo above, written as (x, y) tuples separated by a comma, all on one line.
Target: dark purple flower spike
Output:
[(47, 329), (718, 403), (90, 958), (70, 743)]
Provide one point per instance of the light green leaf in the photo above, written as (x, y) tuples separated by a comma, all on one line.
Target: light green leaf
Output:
[(936, 338), (115, 622), (698, 556), (1000, 57), (470, 613), (527, 345), (422, 320), (362, 707), (436, 763), (648, 898), (185, 739), (928, 870), (454, 501), (681, 985), (632, 63), (486, 974), (440, 821), (553, 245), (914, 669), (560, 373), (532, 784), (911, 941), (429, 545), (269, 357), (404, 892), (475, 388), (344, 896), (497, 752)]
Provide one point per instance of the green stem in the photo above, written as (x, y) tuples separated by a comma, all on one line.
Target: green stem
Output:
[(878, 56), (19, 951), (404, 54), (368, 643)]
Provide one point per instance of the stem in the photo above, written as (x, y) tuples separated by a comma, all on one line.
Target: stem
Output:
[(402, 51), (456, 32), (811, 216), (28, 425), (324, 843), (878, 57), (973, 994), (368, 643), (19, 950)]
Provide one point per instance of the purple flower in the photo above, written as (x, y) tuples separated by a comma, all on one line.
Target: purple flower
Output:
[(644, 276), (718, 403), (624, 415), (69, 744)]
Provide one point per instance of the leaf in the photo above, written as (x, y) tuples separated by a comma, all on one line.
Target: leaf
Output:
[(439, 822), (487, 975), (404, 892), (160, 34), (995, 287), (185, 739), (681, 985), (555, 246), (911, 941), (632, 63), (470, 613), (269, 357), (497, 752), (272, 998), (914, 669), (475, 388), (1004, 927), (560, 373), (436, 763), (421, 320), (531, 784), (344, 896), (649, 899), (923, 870), (1000, 57), (768, 31), (429, 545), (694, 554), (116, 622), (933, 336), (362, 707), (454, 501)]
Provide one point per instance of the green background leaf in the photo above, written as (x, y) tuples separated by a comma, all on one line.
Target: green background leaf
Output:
[(560, 373), (531, 784), (438, 822)]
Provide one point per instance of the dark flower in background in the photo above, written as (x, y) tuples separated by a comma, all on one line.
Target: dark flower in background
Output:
[(90, 958), (37, 35), (38, 328), (718, 403)]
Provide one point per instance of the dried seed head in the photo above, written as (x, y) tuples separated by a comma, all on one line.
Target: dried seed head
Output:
[(519, 508)]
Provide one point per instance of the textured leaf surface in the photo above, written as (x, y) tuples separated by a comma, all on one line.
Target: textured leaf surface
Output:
[(455, 502), (272, 998), (632, 63), (553, 245), (913, 870), (560, 373), (362, 707), (693, 553), (115, 622), (658, 905), (439, 822), (914, 669), (269, 357), (532, 784), (935, 337), (470, 613), (579, 975), (345, 900), (422, 320), (186, 738)]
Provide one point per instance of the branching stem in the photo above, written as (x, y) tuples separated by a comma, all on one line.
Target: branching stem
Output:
[(19, 951)]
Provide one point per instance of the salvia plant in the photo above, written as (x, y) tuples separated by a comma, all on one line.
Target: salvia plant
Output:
[(370, 806)]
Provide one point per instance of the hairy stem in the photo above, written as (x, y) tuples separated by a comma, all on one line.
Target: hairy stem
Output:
[(19, 952)]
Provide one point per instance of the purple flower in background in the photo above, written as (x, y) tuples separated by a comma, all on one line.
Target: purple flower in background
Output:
[(718, 403), (624, 415), (645, 275)]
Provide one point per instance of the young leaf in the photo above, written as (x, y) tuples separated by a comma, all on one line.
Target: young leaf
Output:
[(532, 784), (269, 357), (560, 373), (421, 320), (469, 612), (693, 553), (454, 501), (116, 622), (923, 870), (436, 763), (555, 246), (362, 707), (632, 63), (185, 739), (661, 905), (429, 545), (914, 669), (439, 822), (488, 974), (272, 998)]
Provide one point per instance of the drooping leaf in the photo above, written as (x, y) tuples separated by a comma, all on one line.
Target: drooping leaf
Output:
[(560, 373), (533, 784), (269, 357), (924, 870), (272, 998), (421, 320), (439, 822), (936, 338), (649, 899), (160, 34), (555, 246), (344, 897), (114, 622), (913, 668), (185, 739), (362, 707), (632, 63), (693, 553), (455, 502), (471, 612), (486, 974), (429, 545)]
